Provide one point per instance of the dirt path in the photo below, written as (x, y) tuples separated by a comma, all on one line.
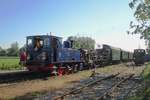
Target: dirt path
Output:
[(51, 84)]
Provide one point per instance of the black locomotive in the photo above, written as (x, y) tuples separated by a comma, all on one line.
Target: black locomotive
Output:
[(139, 56)]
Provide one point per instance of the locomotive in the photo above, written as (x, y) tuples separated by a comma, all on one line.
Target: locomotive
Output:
[(139, 56), (48, 53)]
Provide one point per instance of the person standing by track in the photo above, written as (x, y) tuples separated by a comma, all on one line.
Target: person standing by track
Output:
[(23, 58)]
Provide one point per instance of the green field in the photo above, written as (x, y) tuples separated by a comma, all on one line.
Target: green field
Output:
[(9, 63)]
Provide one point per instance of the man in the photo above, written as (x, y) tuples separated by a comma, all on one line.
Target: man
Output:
[(23, 58)]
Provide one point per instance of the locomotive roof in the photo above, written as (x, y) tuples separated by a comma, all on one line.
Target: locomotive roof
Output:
[(44, 36), (111, 47), (139, 50), (124, 50)]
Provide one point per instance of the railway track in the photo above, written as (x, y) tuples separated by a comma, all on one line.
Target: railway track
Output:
[(17, 76), (84, 86), (11, 77), (100, 89), (113, 87)]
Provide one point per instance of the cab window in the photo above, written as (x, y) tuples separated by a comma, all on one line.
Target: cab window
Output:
[(29, 42), (46, 42), (38, 43)]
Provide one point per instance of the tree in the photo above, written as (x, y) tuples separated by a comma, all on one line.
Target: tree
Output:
[(142, 15), (13, 50), (82, 42), (22, 49), (2, 52), (0, 48)]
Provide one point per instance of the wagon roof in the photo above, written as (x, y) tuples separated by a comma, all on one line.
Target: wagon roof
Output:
[(111, 47)]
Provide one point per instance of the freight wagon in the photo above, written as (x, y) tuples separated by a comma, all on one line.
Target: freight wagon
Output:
[(113, 53)]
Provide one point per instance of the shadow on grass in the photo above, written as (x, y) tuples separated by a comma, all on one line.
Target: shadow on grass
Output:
[(21, 77)]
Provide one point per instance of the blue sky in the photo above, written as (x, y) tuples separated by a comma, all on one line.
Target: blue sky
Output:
[(104, 20)]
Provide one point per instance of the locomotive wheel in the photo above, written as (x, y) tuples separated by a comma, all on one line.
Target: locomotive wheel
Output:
[(61, 71), (68, 69), (54, 71)]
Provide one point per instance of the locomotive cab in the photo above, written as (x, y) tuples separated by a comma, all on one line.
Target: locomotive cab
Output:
[(42, 50)]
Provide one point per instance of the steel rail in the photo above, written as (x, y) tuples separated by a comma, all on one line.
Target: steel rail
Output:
[(113, 87)]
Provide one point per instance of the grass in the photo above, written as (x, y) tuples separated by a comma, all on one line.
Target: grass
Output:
[(9, 63), (144, 92)]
